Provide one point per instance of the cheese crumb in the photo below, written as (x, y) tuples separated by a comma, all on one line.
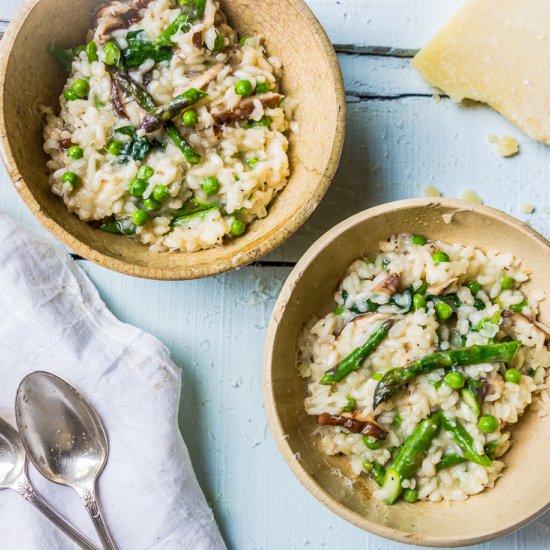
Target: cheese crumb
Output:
[(506, 146), (471, 196), (527, 208), (431, 191)]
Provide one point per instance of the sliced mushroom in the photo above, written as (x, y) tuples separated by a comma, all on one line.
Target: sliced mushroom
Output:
[(116, 101), (389, 285), (364, 318), (65, 143), (201, 80), (437, 290), (517, 317), (197, 40), (245, 108), (364, 427), (118, 15)]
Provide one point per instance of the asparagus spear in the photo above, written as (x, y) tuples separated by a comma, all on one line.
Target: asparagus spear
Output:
[(396, 379), (450, 460), (409, 458), (135, 91), (474, 393), (355, 358), (64, 57), (189, 153), (466, 442), (163, 114), (181, 219), (378, 473)]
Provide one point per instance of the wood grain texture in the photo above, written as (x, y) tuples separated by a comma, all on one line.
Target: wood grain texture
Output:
[(215, 329)]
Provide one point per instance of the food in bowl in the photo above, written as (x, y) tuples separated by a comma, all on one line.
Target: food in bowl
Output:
[(432, 353), (171, 129)]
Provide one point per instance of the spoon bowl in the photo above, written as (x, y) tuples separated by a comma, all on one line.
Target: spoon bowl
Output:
[(63, 435), (12, 456), (64, 439), (13, 475)]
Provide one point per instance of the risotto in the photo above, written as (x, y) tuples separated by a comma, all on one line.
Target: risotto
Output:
[(171, 129), (431, 355)]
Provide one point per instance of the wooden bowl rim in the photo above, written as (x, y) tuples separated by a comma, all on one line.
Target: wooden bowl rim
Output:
[(270, 404), (236, 259)]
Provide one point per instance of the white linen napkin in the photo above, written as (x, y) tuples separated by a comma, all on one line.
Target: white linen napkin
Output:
[(52, 319)]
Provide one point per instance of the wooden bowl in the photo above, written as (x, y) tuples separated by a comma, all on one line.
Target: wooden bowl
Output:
[(519, 496), (311, 76)]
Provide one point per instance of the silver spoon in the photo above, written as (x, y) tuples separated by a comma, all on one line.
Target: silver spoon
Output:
[(13, 475), (64, 439)]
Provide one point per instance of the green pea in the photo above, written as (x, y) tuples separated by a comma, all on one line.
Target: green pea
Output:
[(367, 466), (455, 380), (378, 376), (140, 217), (70, 177), (339, 310), (160, 192), (243, 40), (244, 87), (151, 204), (474, 287), (75, 152), (422, 288), (262, 87), (443, 310), (397, 420), (512, 375), (410, 495), (210, 186), (506, 282), (418, 301), (237, 228), (91, 51), (488, 423), (440, 257), (144, 172), (111, 52), (519, 307), (115, 147), (70, 94), (190, 118), (137, 187), (419, 240), (479, 304), (372, 443), (81, 87)]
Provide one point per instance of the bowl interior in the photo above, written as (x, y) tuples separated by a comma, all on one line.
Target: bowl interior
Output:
[(521, 493), (33, 78)]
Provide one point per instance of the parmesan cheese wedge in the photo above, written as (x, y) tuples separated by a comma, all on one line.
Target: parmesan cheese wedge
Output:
[(496, 52)]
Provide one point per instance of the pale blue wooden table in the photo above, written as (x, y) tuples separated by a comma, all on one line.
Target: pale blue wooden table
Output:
[(399, 139)]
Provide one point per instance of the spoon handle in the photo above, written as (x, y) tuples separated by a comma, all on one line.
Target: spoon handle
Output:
[(89, 499), (26, 490)]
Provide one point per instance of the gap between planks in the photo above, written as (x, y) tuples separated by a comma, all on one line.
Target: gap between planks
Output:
[(259, 263)]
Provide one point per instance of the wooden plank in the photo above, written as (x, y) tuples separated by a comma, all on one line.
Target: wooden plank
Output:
[(395, 147), (373, 76), (214, 329), (398, 26)]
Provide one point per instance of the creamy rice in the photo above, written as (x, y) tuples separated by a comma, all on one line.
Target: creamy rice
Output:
[(246, 154), (483, 318)]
